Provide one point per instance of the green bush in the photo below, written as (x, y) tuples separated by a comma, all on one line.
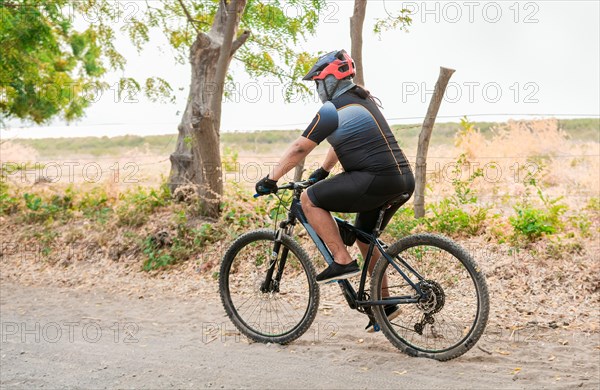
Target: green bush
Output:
[(241, 210), (41, 210), (229, 159), (136, 205), (457, 213), (8, 203), (156, 258), (452, 218), (403, 223), (94, 205), (593, 205), (582, 223), (45, 237), (532, 223), (191, 239), (164, 251)]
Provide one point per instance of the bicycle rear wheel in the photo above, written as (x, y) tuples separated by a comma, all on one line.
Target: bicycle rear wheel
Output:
[(280, 312), (452, 318)]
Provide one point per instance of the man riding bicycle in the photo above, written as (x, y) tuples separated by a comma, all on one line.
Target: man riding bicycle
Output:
[(376, 170)]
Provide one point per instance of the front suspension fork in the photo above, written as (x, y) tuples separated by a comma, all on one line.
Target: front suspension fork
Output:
[(271, 284)]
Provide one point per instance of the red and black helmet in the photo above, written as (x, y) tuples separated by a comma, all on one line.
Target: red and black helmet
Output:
[(337, 63)]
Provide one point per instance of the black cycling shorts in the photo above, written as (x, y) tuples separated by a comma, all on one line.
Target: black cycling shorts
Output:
[(363, 193)]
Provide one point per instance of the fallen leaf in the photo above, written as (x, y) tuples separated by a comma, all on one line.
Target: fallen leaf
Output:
[(551, 358), (400, 373), (360, 341)]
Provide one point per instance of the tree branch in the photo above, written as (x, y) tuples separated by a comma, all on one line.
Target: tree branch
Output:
[(266, 70), (239, 42), (189, 16), (234, 10)]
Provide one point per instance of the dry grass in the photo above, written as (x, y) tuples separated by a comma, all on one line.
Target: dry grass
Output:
[(516, 150), (14, 151), (555, 280)]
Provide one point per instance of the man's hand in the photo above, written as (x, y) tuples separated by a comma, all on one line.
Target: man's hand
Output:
[(266, 186), (318, 175)]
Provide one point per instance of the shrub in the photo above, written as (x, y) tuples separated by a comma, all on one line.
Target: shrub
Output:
[(45, 238), (532, 223), (136, 206), (41, 210), (156, 258), (229, 159), (457, 213), (593, 205), (403, 223), (94, 205), (191, 239), (582, 223), (8, 203), (241, 210), (451, 218)]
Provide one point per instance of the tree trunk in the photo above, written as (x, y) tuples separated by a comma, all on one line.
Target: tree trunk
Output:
[(356, 31), (197, 157), (425, 136)]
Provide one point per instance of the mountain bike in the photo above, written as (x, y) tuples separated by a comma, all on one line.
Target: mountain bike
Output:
[(269, 291)]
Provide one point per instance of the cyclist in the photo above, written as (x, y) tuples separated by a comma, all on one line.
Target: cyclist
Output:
[(375, 168)]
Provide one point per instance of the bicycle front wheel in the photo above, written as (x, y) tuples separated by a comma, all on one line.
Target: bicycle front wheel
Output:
[(276, 309), (451, 316)]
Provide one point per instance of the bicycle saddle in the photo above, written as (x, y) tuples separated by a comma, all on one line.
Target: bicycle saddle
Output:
[(402, 198)]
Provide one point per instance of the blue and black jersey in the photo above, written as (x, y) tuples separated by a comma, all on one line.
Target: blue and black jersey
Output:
[(359, 134)]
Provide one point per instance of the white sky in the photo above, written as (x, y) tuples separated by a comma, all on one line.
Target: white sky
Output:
[(513, 59)]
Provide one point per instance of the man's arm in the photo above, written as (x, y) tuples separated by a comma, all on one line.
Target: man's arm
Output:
[(299, 149), (330, 160)]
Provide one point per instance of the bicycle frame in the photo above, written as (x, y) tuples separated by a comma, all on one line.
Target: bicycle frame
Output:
[(356, 300)]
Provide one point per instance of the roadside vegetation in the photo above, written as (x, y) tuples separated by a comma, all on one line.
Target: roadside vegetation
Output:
[(520, 196), (581, 130), (463, 203)]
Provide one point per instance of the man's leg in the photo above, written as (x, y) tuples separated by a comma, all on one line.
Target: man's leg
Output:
[(326, 227), (364, 248)]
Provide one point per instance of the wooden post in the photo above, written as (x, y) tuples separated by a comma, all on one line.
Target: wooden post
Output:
[(299, 170), (425, 136)]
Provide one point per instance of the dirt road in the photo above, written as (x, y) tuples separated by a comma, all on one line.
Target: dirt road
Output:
[(86, 338)]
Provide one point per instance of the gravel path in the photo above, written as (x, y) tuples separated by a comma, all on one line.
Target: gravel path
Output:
[(88, 338)]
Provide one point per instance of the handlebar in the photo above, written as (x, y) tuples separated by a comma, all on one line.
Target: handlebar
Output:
[(298, 185)]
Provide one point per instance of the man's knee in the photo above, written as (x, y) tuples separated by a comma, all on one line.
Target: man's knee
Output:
[(306, 202)]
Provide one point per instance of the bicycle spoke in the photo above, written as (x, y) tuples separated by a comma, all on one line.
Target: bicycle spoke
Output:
[(274, 309), (450, 309)]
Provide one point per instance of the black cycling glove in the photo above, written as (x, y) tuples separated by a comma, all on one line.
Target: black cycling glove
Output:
[(318, 175), (266, 186)]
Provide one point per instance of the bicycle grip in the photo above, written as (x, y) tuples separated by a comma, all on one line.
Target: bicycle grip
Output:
[(256, 195)]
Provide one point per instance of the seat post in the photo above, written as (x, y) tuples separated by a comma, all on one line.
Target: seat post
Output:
[(377, 230)]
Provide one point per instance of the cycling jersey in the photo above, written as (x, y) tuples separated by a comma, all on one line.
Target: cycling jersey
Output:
[(375, 168), (359, 134)]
